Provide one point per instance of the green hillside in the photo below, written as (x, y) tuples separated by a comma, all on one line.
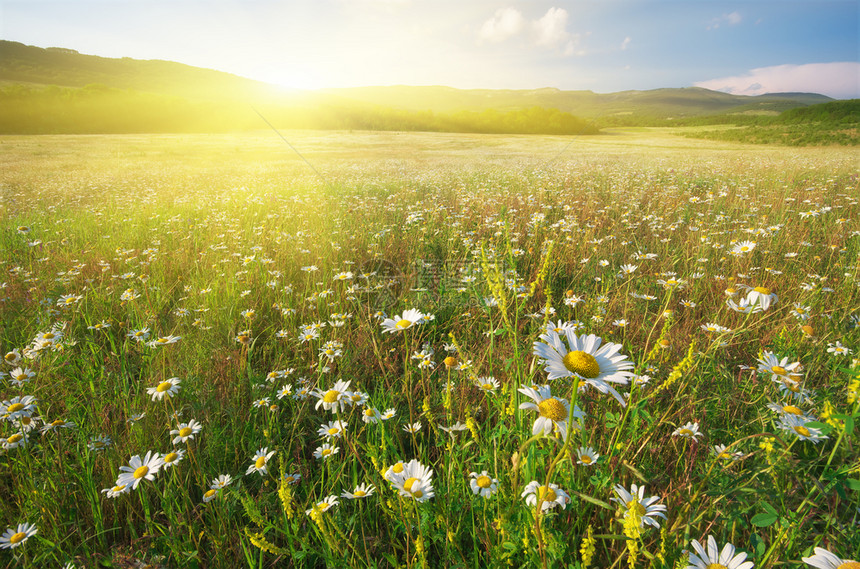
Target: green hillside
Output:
[(832, 123), (58, 90)]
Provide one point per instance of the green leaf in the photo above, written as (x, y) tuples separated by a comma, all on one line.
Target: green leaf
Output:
[(769, 509), (763, 520), (853, 484), (588, 498)]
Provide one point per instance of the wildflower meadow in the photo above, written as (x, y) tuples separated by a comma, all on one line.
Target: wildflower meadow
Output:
[(428, 350)]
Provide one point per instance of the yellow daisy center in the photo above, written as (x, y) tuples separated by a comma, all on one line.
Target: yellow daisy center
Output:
[(403, 324), (801, 430), (808, 330), (184, 431), (14, 438), (326, 451), (553, 409), (779, 370), (581, 363), (792, 409), (141, 471), (409, 483), (118, 488), (585, 459), (333, 431), (716, 566), (15, 407), (483, 481), (546, 494), (487, 386), (398, 468), (58, 423), (849, 565), (209, 493), (17, 538), (636, 506), (260, 462), (163, 386), (48, 336), (724, 455), (762, 290), (170, 457), (369, 412), (685, 433), (331, 396), (360, 494), (450, 361)]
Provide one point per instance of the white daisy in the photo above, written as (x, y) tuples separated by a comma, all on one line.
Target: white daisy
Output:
[(713, 558), (586, 456), (779, 368), (762, 296), (483, 484), (260, 462), (550, 496), (332, 429), (117, 490), (361, 491), (335, 399), (404, 321), (326, 451), (169, 387), (584, 357), (324, 505), (553, 412), (12, 538), (140, 469), (688, 431), (414, 480), (647, 508), (186, 431), (798, 426), (823, 559)]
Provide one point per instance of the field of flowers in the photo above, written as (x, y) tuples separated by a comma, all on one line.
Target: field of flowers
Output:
[(416, 350)]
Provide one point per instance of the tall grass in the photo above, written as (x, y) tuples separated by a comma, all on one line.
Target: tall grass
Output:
[(493, 239)]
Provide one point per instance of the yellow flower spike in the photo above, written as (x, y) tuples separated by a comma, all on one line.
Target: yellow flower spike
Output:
[(588, 547)]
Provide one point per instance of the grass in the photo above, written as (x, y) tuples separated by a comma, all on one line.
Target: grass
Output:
[(487, 235)]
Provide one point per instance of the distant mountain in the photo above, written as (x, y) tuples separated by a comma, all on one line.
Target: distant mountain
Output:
[(61, 90), (654, 104), (21, 63)]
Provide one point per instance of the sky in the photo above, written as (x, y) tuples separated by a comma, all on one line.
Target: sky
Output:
[(745, 47)]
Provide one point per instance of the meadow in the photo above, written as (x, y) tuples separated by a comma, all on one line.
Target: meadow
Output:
[(428, 350)]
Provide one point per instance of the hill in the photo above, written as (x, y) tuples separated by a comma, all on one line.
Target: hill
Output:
[(60, 90), (834, 122)]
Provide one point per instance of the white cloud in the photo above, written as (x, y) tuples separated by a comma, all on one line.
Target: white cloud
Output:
[(551, 29), (840, 80), (548, 32), (731, 19), (505, 23), (626, 43)]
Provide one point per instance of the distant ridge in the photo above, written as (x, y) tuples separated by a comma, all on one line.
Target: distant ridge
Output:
[(60, 90)]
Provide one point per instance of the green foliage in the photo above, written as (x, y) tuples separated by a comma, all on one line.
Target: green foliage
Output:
[(183, 235)]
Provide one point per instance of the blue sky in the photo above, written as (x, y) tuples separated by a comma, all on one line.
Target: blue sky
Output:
[(747, 47)]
